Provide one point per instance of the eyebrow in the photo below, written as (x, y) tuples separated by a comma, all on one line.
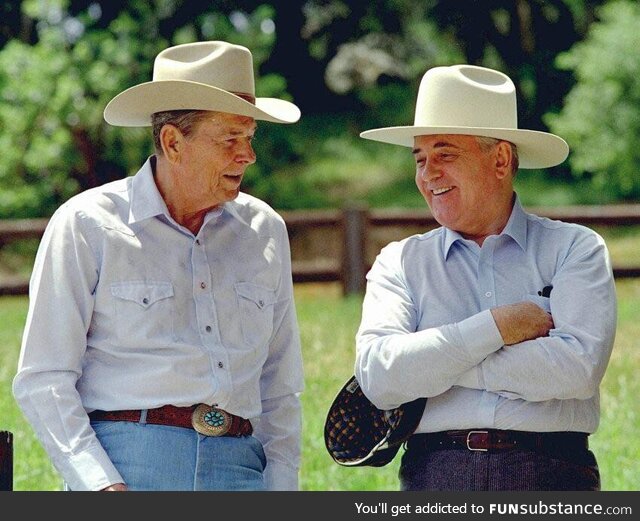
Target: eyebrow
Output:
[(237, 132), (439, 144), (234, 132)]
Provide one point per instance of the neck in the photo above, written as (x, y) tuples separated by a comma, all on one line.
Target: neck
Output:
[(182, 208), (495, 224)]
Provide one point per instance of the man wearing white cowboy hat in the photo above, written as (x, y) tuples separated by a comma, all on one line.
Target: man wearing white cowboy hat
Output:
[(161, 349), (503, 319)]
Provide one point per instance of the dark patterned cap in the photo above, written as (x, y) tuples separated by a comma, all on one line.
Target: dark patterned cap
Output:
[(357, 433)]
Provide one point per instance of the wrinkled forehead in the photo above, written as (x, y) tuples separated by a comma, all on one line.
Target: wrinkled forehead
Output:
[(229, 123), (433, 141)]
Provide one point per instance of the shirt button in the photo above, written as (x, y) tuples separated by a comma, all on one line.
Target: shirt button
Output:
[(198, 242), (203, 285), (145, 300), (208, 329), (220, 365), (487, 294)]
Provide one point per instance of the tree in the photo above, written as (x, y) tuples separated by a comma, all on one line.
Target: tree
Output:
[(601, 114), (379, 50), (55, 84), (348, 65), (53, 93)]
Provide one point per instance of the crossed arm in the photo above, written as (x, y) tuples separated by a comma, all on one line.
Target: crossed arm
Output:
[(517, 350)]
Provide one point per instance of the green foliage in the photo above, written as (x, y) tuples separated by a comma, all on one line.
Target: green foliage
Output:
[(349, 66), (323, 163), (53, 93), (601, 116)]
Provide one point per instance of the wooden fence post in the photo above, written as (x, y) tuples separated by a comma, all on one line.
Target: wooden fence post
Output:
[(354, 225), (6, 460)]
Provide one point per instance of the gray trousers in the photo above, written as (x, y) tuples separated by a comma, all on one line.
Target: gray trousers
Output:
[(463, 470)]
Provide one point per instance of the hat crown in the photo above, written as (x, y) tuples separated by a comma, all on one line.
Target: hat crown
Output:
[(218, 64), (466, 96), (476, 101)]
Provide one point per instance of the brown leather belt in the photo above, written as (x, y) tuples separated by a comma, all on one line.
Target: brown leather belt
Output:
[(205, 419), (492, 440)]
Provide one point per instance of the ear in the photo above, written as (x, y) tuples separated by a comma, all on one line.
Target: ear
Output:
[(171, 140), (503, 157)]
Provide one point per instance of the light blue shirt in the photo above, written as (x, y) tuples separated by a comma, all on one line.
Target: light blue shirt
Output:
[(130, 310), (427, 329)]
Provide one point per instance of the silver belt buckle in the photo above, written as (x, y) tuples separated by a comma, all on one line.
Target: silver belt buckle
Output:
[(469, 447), (210, 421)]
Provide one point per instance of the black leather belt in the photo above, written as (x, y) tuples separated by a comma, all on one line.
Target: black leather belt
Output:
[(493, 440)]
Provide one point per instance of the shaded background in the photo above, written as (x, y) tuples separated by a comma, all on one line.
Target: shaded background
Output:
[(350, 66)]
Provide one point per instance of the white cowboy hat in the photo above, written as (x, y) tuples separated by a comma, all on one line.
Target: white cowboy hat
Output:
[(215, 76), (466, 99)]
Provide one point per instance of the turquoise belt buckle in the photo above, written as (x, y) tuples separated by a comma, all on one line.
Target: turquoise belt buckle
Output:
[(210, 421)]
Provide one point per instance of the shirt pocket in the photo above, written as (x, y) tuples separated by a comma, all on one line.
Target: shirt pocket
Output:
[(256, 312), (144, 312)]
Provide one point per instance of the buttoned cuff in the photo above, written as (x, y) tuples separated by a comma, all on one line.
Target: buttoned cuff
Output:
[(480, 335), (89, 471)]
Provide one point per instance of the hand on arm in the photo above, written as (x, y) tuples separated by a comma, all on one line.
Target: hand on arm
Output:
[(569, 361), (522, 321)]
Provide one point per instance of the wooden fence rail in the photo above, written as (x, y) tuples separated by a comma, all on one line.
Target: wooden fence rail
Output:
[(354, 226)]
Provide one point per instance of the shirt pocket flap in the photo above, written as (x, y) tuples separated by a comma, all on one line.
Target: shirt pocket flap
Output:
[(142, 293), (259, 295)]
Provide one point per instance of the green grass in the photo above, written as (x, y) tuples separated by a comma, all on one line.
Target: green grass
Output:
[(328, 325), (617, 450), (32, 470)]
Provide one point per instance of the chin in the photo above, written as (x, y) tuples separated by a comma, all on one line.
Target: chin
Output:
[(230, 196), (443, 219)]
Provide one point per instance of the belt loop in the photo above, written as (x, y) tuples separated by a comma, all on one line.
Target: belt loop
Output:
[(143, 416)]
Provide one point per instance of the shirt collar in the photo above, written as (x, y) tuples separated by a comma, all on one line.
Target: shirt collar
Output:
[(231, 208), (516, 228), (147, 202)]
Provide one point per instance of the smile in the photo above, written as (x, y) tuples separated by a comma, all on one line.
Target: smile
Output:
[(440, 191)]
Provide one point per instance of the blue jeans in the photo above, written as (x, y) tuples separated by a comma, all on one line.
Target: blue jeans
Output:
[(162, 458)]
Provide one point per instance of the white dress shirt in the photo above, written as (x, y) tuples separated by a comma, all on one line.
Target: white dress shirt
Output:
[(427, 329), (130, 310)]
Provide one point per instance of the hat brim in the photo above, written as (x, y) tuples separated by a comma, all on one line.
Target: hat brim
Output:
[(134, 106), (535, 149)]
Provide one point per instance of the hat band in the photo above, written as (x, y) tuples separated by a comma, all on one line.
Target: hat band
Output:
[(247, 97)]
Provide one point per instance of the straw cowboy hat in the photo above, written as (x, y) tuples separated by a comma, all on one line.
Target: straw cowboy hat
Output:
[(214, 76), (465, 99)]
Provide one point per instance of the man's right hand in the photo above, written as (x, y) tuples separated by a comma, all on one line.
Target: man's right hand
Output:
[(522, 321), (116, 487)]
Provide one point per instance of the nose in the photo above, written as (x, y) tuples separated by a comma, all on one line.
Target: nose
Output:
[(429, 171), (245, 153)]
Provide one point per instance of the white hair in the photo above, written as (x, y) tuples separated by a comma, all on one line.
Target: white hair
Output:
[(487, 143)]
